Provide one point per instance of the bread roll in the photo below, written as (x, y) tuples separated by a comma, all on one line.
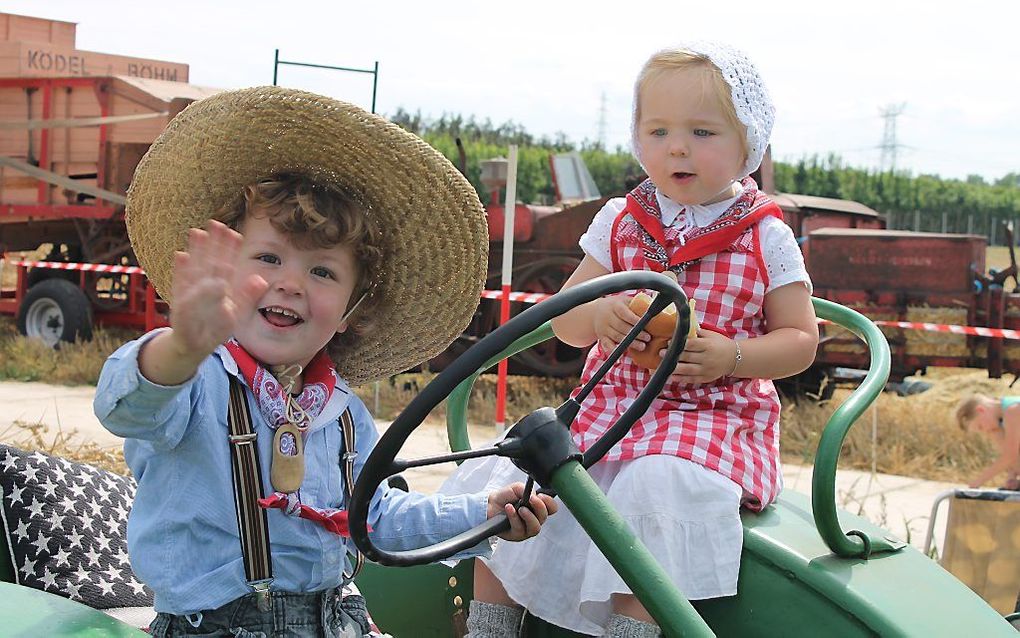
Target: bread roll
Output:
[(661, 328)]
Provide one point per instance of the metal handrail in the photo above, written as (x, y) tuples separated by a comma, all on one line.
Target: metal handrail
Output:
[(823, 478)]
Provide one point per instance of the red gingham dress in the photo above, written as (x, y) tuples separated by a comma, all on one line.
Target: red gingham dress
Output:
[(731, 425)]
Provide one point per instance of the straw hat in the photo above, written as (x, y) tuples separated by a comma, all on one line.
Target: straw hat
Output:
[(434, 231)]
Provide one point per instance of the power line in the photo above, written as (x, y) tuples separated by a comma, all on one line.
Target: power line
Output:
[(602, 122), (889, 145)]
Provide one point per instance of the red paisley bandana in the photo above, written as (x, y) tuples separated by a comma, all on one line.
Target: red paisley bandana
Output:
[(319, 380)]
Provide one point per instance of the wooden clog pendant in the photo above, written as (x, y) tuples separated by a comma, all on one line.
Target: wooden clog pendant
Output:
[(288, 468)]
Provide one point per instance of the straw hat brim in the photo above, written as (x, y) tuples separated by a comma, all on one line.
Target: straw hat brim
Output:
[(434, 230)]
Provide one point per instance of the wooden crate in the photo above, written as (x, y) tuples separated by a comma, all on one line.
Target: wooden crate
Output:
[(92, 155), (31, 59), (17, 28)]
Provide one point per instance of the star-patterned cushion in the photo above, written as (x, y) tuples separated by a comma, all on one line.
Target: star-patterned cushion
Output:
[(65, 524)]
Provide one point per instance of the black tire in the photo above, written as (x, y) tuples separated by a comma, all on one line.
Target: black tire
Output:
[(55, 310), (36, 275)]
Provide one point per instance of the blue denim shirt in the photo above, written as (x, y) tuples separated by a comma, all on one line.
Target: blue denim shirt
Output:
[(182, 530)]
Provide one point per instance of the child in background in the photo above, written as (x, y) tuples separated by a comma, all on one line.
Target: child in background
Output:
[(710, 443), (999, 420), (345, 250)]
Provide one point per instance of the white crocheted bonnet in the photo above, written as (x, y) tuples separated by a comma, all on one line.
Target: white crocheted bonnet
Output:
[(751, 98)]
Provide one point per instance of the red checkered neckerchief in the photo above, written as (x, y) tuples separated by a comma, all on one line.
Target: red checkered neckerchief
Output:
[(749, 208), (319, 380)]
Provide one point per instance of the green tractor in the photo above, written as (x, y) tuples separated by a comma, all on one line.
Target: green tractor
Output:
[(800, 573)]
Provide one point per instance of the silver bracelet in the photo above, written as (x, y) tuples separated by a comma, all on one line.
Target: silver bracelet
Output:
[(737, 359)]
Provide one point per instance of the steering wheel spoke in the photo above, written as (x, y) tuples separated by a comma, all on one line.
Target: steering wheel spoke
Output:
[(540, 443)]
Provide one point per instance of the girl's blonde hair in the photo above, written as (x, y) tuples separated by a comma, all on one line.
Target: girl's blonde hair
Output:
[(321, 216), (966, 410), (713, 83)]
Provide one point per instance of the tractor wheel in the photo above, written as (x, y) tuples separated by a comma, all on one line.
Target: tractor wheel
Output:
[(552, 358), (55, 310)]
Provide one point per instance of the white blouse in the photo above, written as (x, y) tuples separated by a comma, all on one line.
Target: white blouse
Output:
[(783, 258)]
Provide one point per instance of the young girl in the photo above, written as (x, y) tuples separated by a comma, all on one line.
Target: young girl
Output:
[(999, 420), (710, 443)]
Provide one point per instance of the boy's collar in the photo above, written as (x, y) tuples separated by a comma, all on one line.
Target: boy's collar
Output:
[(231, 368)]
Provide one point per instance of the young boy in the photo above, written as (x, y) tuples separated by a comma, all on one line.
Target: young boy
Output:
[(999, 420), (346, 250)]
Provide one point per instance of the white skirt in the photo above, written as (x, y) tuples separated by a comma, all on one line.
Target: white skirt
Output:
[(687, 516)]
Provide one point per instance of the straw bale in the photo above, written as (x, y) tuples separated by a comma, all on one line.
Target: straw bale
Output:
[(926, 343)]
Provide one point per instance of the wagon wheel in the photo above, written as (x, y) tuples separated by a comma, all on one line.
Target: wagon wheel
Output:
[(109, 291), (552, 358), (540, 443)]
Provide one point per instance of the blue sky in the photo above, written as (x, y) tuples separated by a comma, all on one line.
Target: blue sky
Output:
[(831, 67)]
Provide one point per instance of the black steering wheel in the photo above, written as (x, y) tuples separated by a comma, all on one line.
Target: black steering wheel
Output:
[(540, 442)]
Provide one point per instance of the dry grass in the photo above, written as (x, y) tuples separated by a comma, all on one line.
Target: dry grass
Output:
[(24, 359), (31, 436), (524, 394), (9, 274), (997, 257), (915, 435)]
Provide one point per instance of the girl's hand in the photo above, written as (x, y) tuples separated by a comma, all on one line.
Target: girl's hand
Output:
[(613, 320), (524, 522), (705, 358), (207, 302)]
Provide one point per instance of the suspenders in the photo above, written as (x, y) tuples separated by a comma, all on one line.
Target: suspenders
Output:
[(348, 456), (252, 520)]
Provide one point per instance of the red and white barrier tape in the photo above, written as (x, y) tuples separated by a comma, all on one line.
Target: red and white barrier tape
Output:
[(59, 265), (535, 297), (523, 297), (960, 330)]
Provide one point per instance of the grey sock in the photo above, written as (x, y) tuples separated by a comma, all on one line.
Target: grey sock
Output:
[(627, 627), (490, 620)]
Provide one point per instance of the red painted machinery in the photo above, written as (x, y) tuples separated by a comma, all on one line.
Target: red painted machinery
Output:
[(75, 123)]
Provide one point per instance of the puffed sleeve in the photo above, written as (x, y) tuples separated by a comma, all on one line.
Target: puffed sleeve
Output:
[(783, 258), (596, 240)]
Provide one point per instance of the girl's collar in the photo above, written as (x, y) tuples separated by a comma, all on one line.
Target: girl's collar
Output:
[(698, 215)]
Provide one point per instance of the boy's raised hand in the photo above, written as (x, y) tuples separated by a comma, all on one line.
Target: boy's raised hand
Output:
[(206, 300), (524, 522)]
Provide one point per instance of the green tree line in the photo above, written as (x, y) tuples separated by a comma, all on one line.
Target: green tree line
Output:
[(970, 205)]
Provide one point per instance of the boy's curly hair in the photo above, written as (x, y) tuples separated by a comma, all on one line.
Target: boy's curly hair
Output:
[(967, 409), (322, 216)]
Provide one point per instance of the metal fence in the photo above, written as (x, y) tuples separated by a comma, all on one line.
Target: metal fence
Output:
[(957, 223)]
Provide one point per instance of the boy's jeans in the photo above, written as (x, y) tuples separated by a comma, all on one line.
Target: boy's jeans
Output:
[(320, 614)]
